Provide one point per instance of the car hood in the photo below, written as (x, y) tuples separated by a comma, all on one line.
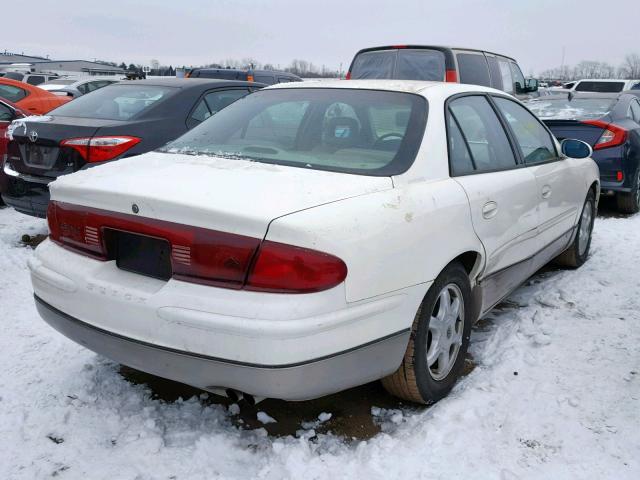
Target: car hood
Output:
[(231, 195)]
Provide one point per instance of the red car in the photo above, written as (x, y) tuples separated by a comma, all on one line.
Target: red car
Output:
[(33, 100), (8, 113)]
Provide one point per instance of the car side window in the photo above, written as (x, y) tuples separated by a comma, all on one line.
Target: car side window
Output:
[(494, 70), (473, 69), (35, 79), (283, 80), (212, 103), (535, 142), (485, 137), (635, 110), (518, 78), (219, 99), (84, 88), (460, 161), (507, 78), (11, 93), (6, 114)]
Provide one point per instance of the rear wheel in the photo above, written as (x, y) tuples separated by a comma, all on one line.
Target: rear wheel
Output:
[(439, 340), (578, 252), (630, 202)]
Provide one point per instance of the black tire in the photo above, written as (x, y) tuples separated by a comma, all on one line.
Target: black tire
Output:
[(573, 257), (630, 202), (414, 380)]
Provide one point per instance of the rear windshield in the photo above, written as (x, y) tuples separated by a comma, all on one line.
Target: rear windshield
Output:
[(115, 102), (220, 74), (601, 87), (403, 64), (344, 130), (61, 81), (564, 109)]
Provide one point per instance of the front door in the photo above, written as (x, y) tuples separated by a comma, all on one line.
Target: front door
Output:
[(557, 188)]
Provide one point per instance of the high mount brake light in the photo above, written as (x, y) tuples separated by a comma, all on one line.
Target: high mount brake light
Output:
[(100, 149), (200, 255), (612, 136), (451, 76)]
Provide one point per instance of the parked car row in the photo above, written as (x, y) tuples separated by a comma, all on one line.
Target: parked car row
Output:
[(118, 121), (300, 239)]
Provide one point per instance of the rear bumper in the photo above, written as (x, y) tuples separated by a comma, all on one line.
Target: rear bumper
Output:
[(291, 347), (302, 381), (30, 198)]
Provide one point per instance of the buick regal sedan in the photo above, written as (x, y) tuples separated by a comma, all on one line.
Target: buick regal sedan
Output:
[(314, 237)]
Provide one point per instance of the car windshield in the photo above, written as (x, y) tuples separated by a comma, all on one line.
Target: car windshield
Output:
[(344, 130), (564, 109), (404, 64), (115, 102), (599, 87)]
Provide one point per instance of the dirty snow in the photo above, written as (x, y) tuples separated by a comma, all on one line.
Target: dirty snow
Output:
[(555, 394)]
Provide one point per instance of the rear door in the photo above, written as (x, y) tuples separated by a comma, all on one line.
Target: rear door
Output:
[(558, 189), (502, 195)]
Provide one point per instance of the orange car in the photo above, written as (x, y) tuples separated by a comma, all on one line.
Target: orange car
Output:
[(31, 99)]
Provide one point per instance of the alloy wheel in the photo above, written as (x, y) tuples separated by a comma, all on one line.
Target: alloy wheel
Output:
[(446, 328)]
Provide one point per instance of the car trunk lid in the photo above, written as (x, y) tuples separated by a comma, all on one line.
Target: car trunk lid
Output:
[(575, 129), (35, 146), (229, 195)]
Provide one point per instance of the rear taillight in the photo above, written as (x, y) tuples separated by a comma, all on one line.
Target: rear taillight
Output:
[(612, 136), (249, 78), (100, 149), (201, 255), (289, 269), (451, 76), (348, 77)]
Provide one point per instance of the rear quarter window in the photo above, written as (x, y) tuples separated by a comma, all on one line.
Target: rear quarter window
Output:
[(473, 69), (11, 93)]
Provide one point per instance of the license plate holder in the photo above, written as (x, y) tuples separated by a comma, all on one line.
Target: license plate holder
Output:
[(142, 254)]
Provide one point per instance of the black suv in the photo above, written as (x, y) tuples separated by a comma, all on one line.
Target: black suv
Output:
[(442, 64), (267, 77)]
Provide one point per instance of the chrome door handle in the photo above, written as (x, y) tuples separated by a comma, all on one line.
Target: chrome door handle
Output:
[(546, 191), (489, 210)]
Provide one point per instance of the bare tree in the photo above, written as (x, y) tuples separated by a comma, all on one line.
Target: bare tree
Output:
[(630, 69)]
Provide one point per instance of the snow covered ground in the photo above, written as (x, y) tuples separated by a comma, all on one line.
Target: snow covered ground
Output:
[(555, 395)]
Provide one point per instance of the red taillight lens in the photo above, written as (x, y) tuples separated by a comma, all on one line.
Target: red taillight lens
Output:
[(76, 228), (200, 255), (348, 77), (612, 136), (451, 76), (289, 269), (619, 176), (100, 149)]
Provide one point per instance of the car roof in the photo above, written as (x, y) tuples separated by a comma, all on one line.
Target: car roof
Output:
[(408, 86), (439, 47), (185, 83), (604, 80)]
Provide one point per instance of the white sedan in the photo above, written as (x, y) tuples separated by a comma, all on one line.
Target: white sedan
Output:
[(316, 236)]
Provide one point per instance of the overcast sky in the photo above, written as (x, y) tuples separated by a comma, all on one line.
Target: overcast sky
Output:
[(329, 32)]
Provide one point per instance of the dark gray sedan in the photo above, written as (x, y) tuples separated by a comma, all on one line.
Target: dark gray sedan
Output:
[(117, 121)]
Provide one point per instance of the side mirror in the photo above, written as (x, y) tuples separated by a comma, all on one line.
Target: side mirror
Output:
[(532, 84), (575, 148)]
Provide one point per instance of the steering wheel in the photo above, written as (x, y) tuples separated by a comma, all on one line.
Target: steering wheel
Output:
[(386, 136)]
